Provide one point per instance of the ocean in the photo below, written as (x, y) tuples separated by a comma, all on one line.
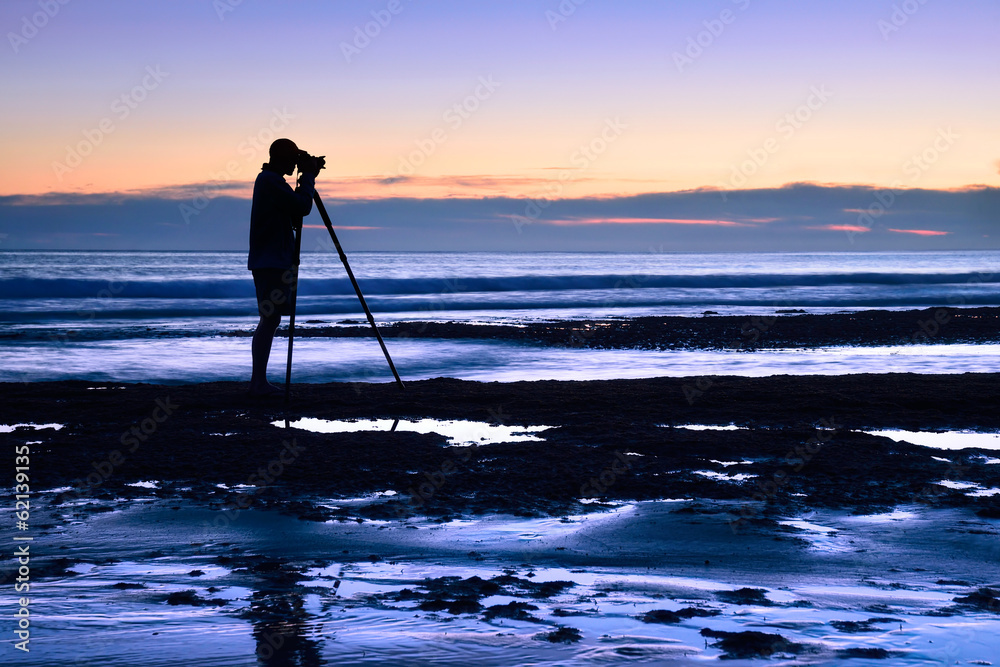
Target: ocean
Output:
[(169, 316)]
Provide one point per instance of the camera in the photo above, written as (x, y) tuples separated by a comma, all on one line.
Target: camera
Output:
[(310, 164)]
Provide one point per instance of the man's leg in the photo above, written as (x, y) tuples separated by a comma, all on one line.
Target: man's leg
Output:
[(261, 351)]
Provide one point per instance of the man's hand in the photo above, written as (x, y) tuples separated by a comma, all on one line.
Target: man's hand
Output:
[(309, 164)]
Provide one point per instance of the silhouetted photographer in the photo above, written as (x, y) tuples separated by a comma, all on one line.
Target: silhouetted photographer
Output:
[(275, 225)]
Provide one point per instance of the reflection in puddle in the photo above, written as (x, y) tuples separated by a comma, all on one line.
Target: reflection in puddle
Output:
[(948, 484), (943, 439), (460, 432), (806, 525), (820, 538), (217, 606), (895, 515), (975, 490), (10, 428), (721, 477)]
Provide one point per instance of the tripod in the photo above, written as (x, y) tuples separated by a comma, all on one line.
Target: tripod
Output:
[(357, 289)]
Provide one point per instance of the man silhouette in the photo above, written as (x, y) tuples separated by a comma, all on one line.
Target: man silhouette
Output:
[(275, 217)]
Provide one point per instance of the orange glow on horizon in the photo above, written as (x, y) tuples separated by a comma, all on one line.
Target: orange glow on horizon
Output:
[(920, 232), (648, 221), (842, 228)]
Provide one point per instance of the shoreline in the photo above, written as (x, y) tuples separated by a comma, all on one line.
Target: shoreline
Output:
[(781, 329), (786, 328)]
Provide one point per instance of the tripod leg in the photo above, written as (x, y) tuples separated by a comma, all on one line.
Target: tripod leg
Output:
[(294, 290), (357, 289)]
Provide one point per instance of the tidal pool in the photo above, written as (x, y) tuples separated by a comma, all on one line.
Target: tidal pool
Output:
[(460, 432)]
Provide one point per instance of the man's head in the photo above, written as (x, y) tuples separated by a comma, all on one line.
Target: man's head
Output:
[(283, 155)]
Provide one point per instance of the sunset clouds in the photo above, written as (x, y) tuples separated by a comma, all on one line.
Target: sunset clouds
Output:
[(521, 101)]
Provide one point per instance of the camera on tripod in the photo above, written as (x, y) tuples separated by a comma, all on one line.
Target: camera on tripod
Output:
[(310, 164)]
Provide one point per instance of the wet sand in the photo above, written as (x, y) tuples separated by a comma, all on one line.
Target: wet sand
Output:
[(188, 525), (164, 583), (803, 443)]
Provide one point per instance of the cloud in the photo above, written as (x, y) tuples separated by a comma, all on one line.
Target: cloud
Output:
[(800, 217), (842, 228), (919, 232), (647, 221)]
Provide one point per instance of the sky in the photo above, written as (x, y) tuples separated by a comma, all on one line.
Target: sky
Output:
[(514, 124)]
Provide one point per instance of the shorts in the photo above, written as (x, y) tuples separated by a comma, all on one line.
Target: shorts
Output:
[(274, 291)]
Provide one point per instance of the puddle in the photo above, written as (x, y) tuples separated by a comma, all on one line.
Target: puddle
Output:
[(974, 490), (885, 517), (10, 428), (58, 489), (802, 524), (983, 493), (943, 439), (959, 486), (460, 433), (721, 477), (434, 608), (820, 538)]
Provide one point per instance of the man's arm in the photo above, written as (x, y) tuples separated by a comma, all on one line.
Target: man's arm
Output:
[(283, 198), (305, 189)]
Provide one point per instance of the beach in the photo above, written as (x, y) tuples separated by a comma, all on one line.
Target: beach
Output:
[(812, 428), (747, 505), (796, 462)]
